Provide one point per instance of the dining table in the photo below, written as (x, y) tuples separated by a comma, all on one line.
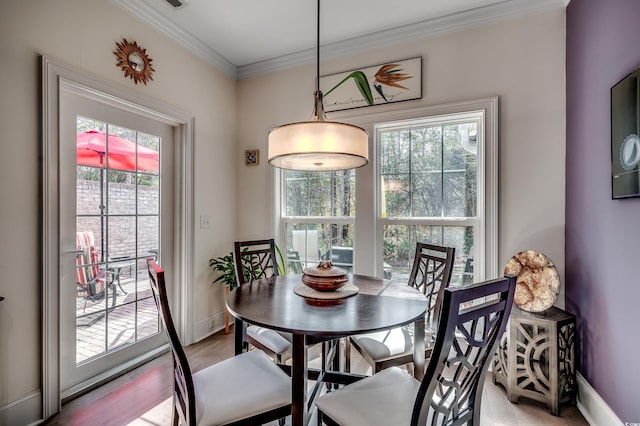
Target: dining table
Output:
[(282, 303)]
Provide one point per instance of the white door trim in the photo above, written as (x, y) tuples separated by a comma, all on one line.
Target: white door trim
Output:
[(54, 74)]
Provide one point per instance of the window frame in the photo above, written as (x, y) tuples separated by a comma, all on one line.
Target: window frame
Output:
[(367, 256), (477, 222), (283, 220)]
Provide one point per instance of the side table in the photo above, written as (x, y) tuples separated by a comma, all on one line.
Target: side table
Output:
[(536, 358), (117, 263)]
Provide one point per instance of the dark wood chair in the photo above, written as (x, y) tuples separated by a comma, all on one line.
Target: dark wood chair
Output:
[(431, 273), (256, 260), (472, 320), (248, 389)]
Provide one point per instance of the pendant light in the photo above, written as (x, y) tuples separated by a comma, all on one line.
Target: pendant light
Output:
[(318, 144)]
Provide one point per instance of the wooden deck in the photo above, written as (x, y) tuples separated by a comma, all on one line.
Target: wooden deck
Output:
[(103, 326)]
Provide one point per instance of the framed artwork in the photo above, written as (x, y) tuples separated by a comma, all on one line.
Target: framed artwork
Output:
[(386, 83), (625, 140), (251, 157)]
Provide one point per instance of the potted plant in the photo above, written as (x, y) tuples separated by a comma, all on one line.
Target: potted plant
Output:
[(225, 265)]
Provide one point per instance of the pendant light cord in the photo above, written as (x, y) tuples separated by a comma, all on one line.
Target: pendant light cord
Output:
[(318, 51)]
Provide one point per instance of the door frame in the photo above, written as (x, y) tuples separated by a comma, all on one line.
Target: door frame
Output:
[(56, 75)]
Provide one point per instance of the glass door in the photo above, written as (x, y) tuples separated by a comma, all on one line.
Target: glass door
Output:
[(117, 212)]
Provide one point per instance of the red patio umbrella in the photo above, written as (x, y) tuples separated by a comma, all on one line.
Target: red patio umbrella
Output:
[(98, 149), (92, 146)]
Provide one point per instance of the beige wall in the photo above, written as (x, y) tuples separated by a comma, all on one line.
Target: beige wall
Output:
[(82, 33), (521, 61)]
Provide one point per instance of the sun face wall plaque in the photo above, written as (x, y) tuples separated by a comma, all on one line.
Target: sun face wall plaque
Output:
[(134, 61)]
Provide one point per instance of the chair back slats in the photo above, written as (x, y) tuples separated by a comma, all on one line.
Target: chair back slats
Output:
[(89, 275), (81, 270), (431, 274), (472, 320), (254, 260), (184, 392)]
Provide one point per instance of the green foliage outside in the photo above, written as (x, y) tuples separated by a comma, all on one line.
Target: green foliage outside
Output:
[(426, 172)]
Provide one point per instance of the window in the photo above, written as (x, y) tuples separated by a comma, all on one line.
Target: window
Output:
[(428, 184), (318, 218), (432, 177)]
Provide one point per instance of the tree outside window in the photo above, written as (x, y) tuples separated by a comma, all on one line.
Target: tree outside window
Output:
[(318, 219), (428, 191)]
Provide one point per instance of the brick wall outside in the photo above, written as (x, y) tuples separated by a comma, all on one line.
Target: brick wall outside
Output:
[(120, 219)]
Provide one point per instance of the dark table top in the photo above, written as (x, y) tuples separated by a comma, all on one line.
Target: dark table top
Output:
[(379, 305)]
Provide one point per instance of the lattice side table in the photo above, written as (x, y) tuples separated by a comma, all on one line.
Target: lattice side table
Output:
[(540, 364)]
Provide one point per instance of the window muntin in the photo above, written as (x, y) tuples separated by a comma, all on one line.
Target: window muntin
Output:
[(429, 190), (319, 218)]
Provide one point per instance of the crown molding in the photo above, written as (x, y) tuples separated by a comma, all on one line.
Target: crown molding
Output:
[(456, 22), (143, 11), (469, 19)]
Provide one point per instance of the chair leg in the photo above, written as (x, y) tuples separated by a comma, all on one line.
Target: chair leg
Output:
[(336, 358), (347, 355), (410, 368), (176, 416), (114, 295), (324, 356), (325, 351)]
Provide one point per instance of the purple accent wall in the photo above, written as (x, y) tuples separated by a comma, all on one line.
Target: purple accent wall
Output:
[(602, 235)]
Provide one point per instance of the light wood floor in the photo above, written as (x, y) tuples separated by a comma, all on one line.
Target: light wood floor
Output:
[(142, 396)]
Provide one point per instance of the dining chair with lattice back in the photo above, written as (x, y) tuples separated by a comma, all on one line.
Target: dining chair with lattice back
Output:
[(430, 273), (247, 389), (254, 260), (257, 260), (473, 319)]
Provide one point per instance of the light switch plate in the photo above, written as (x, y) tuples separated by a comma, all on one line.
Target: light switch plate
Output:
[(204, 222)]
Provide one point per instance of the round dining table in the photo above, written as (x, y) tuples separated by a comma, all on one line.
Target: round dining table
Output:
[(274, 303)]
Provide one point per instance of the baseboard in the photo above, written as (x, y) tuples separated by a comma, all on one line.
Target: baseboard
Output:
[(594, 409), (208, 326), (24, 411)]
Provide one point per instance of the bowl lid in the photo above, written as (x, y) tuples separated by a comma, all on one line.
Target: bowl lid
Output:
[(325, 269)]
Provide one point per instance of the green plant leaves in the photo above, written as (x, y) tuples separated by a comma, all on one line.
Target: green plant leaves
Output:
[(361, 83), (227, 268), (225, 265)]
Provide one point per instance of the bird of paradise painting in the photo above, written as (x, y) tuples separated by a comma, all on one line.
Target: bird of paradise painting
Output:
[(381, 84)]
